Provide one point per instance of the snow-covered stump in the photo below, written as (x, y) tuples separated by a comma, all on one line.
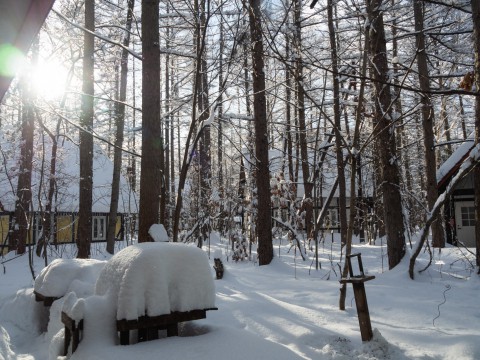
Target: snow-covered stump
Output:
[(156, 286)]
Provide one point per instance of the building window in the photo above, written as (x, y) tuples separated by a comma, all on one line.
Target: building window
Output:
[(468, 215), (38, 227), (332, 218), (99, 228)]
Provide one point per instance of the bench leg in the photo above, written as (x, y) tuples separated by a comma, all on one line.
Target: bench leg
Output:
[(76, 339), (152, 333), (66, 343), (124, 337), (172, 330), (142, 335)]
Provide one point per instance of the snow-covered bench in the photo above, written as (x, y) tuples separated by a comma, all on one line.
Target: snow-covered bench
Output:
[(62, 276), (69, 279), (156, 286)]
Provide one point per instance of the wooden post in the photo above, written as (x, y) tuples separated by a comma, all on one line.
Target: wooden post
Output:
[(72, 333), (362, 311), (124, 337), (358, 283), (66, 341), (172, 330)]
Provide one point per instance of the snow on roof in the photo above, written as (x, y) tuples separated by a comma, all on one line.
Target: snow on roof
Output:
[(451, 164), (157, 278), (67, 177), (62, 276)]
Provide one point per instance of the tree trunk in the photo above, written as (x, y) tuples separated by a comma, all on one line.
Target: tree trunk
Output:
[(404, 161), (152, 141), (337, 129), (384, 134), (84, 232), (221, 89), (476, 174), (120, 122), (264, 219), (438, 238), (288, 111), (48, 214), (24, 188), (307, 205), (167, 130), (204, 114), (354, 165), (192, 137)]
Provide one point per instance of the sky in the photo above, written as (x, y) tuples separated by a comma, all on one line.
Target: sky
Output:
[(285, 310)]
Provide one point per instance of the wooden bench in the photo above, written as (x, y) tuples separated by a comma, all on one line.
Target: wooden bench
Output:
[(148, 326), (73, 331), (47, 300)]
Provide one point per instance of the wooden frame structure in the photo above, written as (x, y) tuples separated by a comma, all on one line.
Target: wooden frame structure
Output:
[(148, 326)]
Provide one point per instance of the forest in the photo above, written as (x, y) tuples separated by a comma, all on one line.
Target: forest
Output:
[(250, 118)]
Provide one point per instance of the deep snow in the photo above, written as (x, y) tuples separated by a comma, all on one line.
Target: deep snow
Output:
[(286, 310)]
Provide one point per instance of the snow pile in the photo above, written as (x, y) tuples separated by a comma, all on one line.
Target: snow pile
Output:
[(158, 233), (284, 311), (157, 278), (74, 307), (62, 276), (6, 352)]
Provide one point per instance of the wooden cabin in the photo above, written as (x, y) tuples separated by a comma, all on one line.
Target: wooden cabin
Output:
[(459, 208), (65, 216)]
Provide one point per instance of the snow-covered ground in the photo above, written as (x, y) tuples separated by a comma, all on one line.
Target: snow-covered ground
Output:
[(286, 310)]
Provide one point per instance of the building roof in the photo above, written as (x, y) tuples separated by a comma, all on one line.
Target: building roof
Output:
[(450, 167), (67, 177)]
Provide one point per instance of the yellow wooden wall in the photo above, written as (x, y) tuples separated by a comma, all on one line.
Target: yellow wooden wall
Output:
[(64, 228), (118, 225), (4, 230)]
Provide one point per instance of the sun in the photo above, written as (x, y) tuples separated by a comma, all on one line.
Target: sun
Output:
[(48, 79)]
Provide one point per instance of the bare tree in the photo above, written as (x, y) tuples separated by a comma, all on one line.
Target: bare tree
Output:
[(204, 113), (264, 220), (152, 144), (476, 174), (24, 191), (428, 116), (120, 123), (339, 142), (385, 135), (84, 233), (307, 205)]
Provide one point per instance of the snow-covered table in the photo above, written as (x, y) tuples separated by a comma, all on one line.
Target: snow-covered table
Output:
[(156, 286)]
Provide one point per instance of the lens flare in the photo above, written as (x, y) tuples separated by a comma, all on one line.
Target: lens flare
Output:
[(12, 61)]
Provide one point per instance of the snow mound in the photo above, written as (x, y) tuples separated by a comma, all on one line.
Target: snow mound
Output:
[(74, 307), (62, 276), (157, 278), (6, 352), (158, 233)]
